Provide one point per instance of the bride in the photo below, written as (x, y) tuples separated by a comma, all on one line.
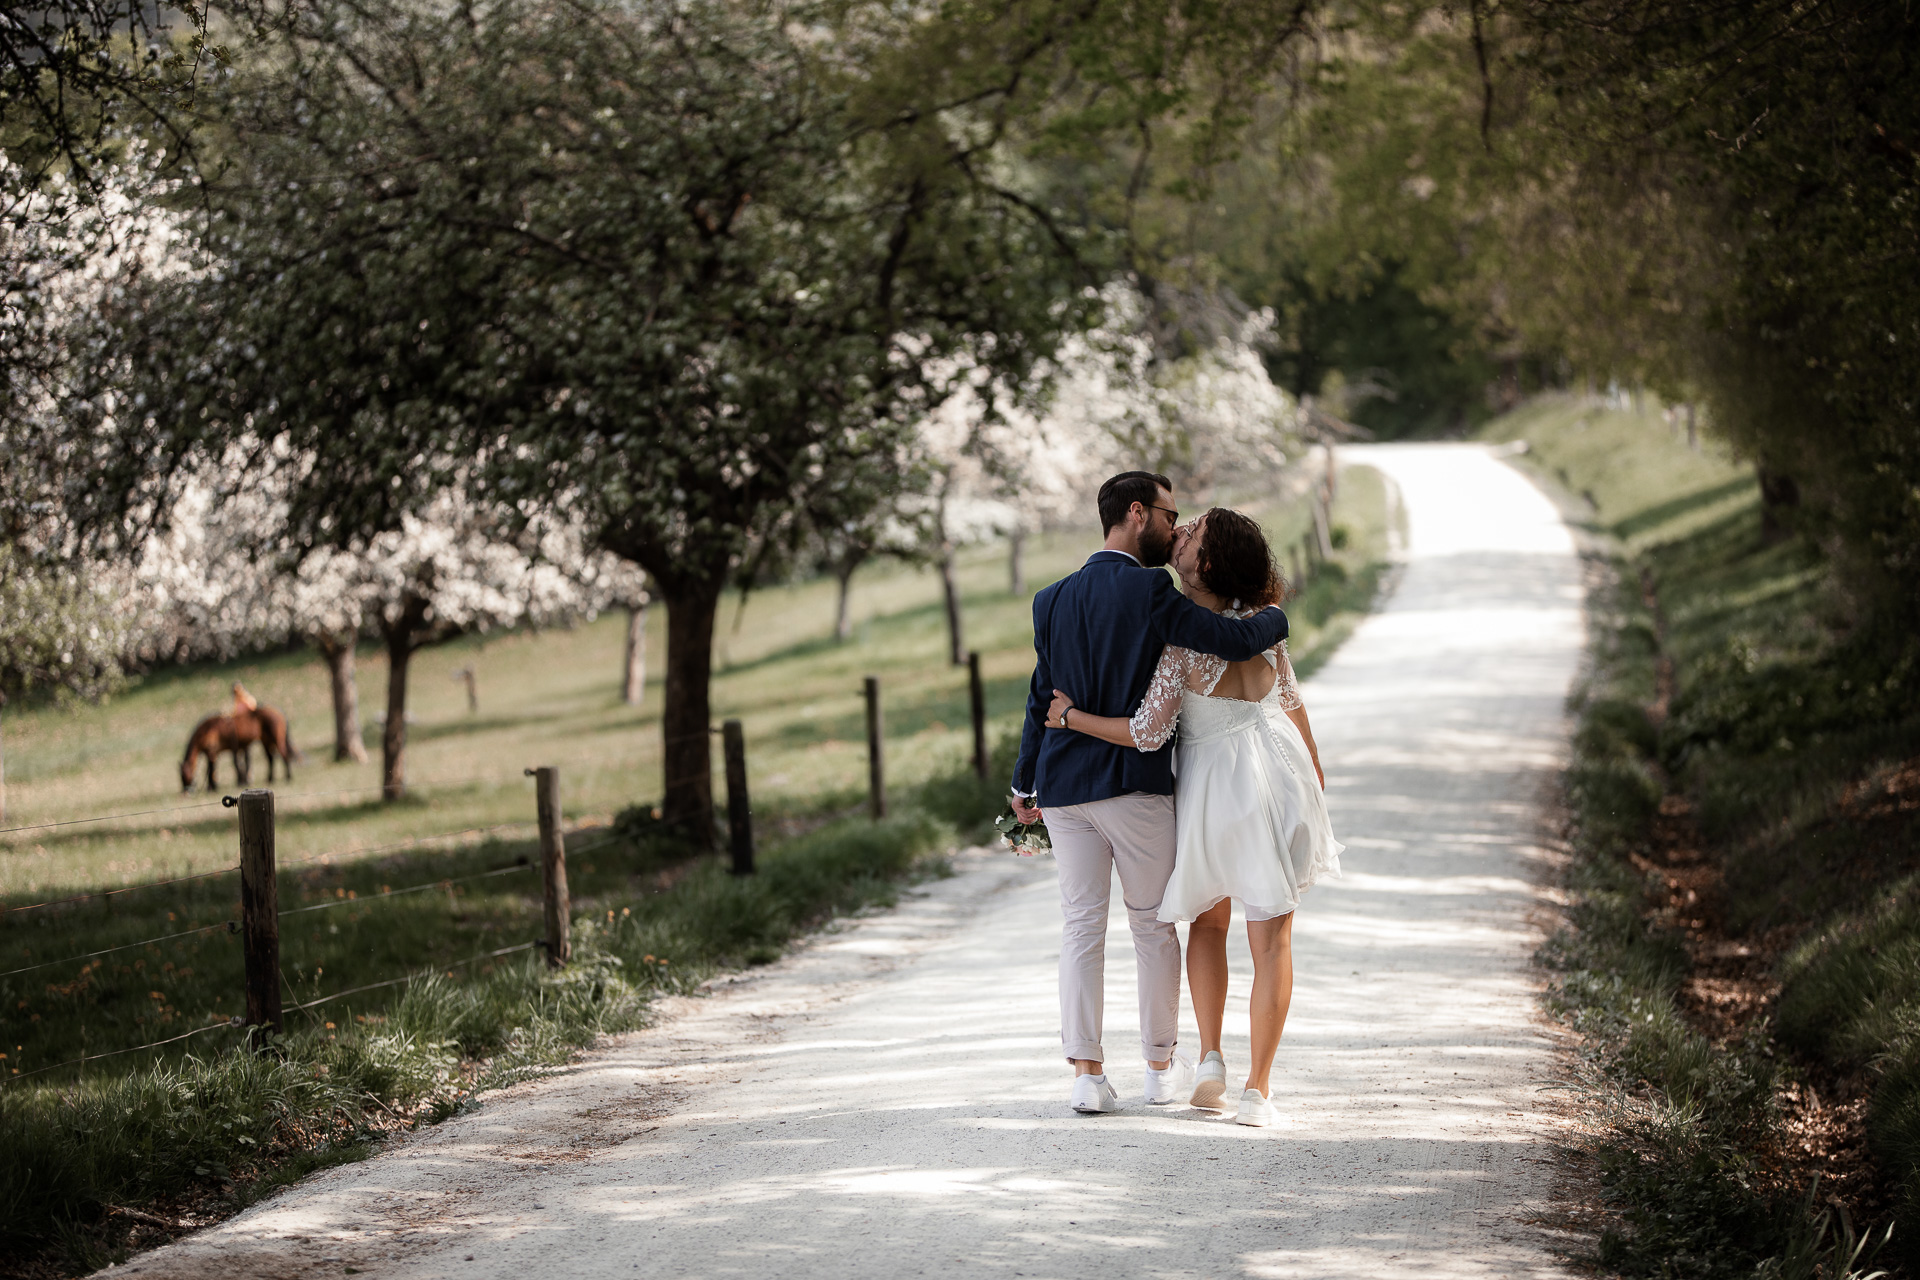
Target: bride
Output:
[(1249, 798)]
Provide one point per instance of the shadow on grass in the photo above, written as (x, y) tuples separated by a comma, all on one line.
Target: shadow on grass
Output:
[(462, 726), (1672, 509), (905, 713)]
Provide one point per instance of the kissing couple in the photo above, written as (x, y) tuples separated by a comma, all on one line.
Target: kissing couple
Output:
[(1122, 658)]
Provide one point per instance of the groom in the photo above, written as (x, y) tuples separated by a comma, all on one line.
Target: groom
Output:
[(1098, 633)]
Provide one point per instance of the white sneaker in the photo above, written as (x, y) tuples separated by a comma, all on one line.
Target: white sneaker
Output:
[(1093, 1094), (1164, 1086), (1210, 1084), (1254, 1110)]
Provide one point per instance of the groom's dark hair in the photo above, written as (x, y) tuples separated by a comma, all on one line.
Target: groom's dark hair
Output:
[(1118, 495)]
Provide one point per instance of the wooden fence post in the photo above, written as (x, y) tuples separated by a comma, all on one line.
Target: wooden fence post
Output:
[(876, 768), (259, 910), (977, 694), (733, 741), (553, 865), (1323, 524)]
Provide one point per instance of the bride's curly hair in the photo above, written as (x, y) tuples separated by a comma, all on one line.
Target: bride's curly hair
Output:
[(1235, 561)]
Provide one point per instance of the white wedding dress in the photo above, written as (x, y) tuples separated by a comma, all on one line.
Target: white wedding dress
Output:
[(1251, 818)]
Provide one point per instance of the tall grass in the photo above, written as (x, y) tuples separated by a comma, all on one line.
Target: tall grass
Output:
[(1721, 687)]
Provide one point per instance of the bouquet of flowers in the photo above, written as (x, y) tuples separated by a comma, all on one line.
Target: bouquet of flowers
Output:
[(1025, 838)]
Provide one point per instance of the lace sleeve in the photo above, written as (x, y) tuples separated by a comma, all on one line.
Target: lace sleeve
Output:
[(1285, 685), (1204, 671), (1153, 723)]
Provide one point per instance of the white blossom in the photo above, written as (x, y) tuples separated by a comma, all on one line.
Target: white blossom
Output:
[(220, 580)]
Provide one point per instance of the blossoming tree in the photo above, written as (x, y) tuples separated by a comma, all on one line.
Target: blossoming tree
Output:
[(223, 577)]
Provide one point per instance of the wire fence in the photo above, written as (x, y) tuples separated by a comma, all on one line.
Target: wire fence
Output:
[(292, 797), (410, 977), (109, 817), (233, 925), (131, 888), (227, 1025), (409, 842), (412, 888), (324, 857), (236, 1022), (229, 925), (552, 844), (268, 994)]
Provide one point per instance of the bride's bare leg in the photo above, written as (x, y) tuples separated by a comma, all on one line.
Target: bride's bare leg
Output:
[(1207, 970), (1272, 945)]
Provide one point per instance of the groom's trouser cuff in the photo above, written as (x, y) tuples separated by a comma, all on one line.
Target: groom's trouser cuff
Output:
[(1135, 834)]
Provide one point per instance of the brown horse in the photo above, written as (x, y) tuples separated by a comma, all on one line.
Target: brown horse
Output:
[(236, 731)]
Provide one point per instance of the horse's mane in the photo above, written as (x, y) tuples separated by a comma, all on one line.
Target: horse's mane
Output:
[(193, 739)]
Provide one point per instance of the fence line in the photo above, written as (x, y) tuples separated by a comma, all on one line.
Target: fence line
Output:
[(394, 982), (223, 871), (409, 842), (232, 926), (376, 788), (227, 1025), (131, 888), (230, 1023), (260, 916), (412, 888), (109, 817), (228, 925), (227, 801)]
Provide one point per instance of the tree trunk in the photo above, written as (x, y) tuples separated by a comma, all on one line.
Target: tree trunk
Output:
[(393, 739), (848, 563), (403, 637), (843, 606), (1779, 495), (1017, 562), (347, 744), (956, 639), (1693, 431), (3, 764), (634, 690), (686, 720)]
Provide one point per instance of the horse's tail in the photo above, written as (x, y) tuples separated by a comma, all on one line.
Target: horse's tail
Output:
[(274, 720)]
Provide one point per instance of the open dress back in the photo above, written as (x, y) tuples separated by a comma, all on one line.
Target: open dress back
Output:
[(1251, 818)]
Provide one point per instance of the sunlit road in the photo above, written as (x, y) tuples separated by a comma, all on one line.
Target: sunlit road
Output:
[(891, 1101)]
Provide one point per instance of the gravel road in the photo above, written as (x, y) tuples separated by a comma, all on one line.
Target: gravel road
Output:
[(890, 1101)]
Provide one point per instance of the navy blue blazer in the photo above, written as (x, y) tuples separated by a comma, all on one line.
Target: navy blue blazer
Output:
[(1097, 636)]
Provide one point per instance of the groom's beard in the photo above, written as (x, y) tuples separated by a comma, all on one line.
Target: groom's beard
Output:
[(1156, 546)]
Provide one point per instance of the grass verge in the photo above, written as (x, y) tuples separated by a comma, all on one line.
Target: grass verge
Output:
[(1736, 954)]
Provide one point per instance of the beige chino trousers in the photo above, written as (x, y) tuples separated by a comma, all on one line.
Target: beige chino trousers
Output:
[(1133, 833)]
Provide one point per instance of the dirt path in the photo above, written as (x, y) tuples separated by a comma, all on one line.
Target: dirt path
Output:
[(890, 1102)]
